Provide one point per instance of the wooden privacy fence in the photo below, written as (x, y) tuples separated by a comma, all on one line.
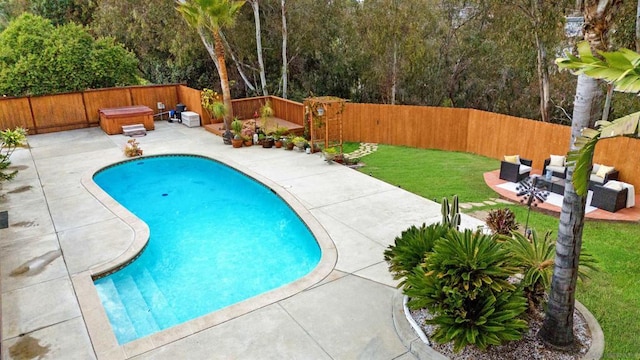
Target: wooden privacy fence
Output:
[(51, 113), (249, 108), (468, 130), (43, 114), (480, 132)]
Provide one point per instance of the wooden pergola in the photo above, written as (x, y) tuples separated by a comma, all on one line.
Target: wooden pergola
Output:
[(323, 119)]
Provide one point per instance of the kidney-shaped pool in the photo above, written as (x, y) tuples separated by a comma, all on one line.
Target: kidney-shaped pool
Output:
[(217, 237)]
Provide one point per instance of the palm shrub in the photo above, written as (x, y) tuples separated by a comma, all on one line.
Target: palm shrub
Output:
[(535, 258), (409, 249), (464, 284)]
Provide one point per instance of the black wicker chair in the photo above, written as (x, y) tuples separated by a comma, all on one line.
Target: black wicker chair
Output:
[(608, 199), (611, 175), (511, 172), (562, 175)]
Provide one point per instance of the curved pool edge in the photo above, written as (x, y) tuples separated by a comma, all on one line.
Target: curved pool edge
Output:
[(97, 322), (140, 229)]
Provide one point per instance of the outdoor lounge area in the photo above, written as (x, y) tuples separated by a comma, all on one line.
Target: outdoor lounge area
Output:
[(601, 204)]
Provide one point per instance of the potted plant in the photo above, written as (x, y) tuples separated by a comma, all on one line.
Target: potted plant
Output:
[(261, 137), (236, 126), (288, 142), (277, 135), (213, 104), (330, 153), (266, 112), (132, 149), (299, 142), (268, 142), (247, 136)]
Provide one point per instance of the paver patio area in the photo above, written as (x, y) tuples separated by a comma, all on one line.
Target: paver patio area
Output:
[(346, 315)]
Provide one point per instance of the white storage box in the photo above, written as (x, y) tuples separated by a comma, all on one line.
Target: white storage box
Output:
[(190, 119)]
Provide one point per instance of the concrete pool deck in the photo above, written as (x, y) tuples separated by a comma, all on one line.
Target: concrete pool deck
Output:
[(54, 217)]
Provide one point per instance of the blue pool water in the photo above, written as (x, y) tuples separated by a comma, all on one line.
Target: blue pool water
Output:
[(217, 237)]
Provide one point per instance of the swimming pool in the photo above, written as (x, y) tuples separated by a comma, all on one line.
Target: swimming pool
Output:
[(217, 237)]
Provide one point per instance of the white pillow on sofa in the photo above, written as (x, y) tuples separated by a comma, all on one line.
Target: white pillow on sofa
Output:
[(604, 170), (557, 160)]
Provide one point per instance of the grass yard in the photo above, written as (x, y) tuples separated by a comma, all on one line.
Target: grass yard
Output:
[(612, 294)]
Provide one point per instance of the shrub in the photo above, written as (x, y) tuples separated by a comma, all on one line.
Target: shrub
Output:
[(464, 285), (501, 221), (410, 247), (9, 141), (535, 258), (39, 58)]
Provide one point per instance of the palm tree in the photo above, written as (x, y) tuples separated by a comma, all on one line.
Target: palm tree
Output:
[(557, 329), (619, 68), (214, 15)]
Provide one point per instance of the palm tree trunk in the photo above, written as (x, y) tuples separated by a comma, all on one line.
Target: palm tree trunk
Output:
[(224, 79), (557, 329)]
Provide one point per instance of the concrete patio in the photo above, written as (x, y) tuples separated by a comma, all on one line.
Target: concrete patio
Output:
[(55, 216)]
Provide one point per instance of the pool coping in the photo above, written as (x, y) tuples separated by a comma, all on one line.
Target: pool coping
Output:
[(103, 338)]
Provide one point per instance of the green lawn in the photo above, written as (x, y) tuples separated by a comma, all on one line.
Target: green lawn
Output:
[(612, 294)]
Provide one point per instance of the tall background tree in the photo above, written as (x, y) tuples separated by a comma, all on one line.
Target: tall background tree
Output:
[(168, 50), (255, 6)]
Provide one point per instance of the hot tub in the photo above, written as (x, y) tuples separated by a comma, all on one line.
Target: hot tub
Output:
[(112, 119)]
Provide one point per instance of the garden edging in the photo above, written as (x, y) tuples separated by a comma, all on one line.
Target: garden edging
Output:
[(416, 341)]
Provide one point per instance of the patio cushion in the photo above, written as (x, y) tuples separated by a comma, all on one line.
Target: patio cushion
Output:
[(514, 159), (557, 161), (524, 169), (559, 169), (615, 185), (596, 178), (604, 170)]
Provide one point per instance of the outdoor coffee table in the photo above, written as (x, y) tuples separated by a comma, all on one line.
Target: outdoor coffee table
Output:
[(555, 184)]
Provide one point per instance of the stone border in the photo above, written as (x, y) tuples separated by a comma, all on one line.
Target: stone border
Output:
[(412, 335)]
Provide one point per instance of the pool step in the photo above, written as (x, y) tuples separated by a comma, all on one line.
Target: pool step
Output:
[(136, 306), (124, 330), (160, 308)]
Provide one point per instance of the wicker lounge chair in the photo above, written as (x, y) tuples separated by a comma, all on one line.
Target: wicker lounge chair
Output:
[(515, 171), (609, 199), (557, 164), (600, 176)]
